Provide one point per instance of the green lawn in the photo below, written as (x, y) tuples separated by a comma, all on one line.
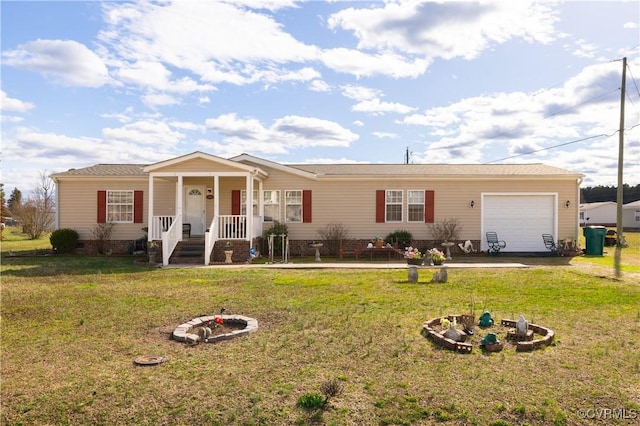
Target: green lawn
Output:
[(72, 326)]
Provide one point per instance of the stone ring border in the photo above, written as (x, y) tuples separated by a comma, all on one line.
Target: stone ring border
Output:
[(182, 332), (429, 332)]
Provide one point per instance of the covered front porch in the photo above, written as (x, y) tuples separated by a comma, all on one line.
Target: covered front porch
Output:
[(203, 196)]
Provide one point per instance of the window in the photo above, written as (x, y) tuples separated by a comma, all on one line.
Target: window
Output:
[(415, 206), (293, 206), (393, 206), (120, 206), (637, 216), (271, 206), (243, 203)]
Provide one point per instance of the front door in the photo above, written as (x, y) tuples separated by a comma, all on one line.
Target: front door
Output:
[(194, 211)]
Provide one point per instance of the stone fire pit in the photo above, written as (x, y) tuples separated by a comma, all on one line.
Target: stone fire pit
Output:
[(192, 332)]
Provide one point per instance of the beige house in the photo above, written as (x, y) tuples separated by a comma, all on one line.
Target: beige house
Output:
[(236, 199)]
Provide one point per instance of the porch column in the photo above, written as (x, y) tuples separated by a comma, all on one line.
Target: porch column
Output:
[(179, 192), (216, 197), (249, 232), (150, 208)]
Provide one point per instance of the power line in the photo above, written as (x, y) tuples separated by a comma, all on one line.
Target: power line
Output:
[(549, 147), (562, 144), (633, 80), (580, 104)]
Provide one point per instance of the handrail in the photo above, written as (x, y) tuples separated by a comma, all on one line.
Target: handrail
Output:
[(170, 239), (210, 240), (158, 225)]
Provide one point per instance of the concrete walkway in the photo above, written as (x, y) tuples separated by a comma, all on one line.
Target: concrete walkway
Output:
[(352, 265)]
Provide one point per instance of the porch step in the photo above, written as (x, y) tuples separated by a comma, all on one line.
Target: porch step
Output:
[(189, 251)]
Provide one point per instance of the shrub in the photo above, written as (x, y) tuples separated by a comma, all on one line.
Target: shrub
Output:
[(332, 234), (446, 229), (402, 237), (101, 233), (64, 240), (277, 229)]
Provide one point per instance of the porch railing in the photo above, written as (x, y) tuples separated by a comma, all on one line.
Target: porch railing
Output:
[(159, 225), (170, 239), (210, 240), (232, 227)]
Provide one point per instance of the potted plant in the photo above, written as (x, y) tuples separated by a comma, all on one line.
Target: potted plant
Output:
[(413, 256), (436, 256), (378, 242), (228, 252), (152, 249)]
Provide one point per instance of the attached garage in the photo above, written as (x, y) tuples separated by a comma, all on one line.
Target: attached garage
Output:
[(520, 219)]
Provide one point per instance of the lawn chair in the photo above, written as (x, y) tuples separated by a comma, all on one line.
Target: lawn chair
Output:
[(495, 245), (549, 243)]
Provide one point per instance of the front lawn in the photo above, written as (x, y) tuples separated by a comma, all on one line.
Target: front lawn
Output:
[(72, 326)]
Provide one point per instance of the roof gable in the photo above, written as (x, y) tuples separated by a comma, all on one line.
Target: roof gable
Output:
[(198, 155)]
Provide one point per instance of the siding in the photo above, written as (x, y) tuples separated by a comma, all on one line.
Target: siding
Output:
[(78, 206)]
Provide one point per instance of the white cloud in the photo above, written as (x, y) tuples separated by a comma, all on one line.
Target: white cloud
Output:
[(385, 135), (502, 125), (159, 99), (376, 107), (12, 104), (67, 62), (319, 86), (218, 41), (630, 25), (143, 133), (249, 135), (361, 64), (447, 29), (358, 123)]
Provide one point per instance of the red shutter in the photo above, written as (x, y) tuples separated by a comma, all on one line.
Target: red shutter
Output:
[(138, 208), (235, 201), (380, 201), (429, 206), (306, 206), (102, 206)]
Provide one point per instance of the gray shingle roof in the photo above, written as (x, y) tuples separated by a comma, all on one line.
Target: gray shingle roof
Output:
[(361, 170), (434, 170), (106, 170)]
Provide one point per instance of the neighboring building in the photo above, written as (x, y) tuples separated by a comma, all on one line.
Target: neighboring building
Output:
[(213, 195), (631, 215), (602, 213)]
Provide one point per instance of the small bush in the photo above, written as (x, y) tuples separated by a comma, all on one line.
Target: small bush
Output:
[(332, 234), (101, 233), (64, 240), (310, 401), (402, 237), (277, 229), (446, 229)]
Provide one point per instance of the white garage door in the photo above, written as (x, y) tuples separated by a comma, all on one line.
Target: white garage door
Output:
[(520, 220)]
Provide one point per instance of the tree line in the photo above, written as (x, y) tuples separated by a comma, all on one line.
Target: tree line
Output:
[(597, 194)]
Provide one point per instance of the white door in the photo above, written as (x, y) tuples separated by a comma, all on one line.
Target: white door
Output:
[(520, 220), (194, 211)]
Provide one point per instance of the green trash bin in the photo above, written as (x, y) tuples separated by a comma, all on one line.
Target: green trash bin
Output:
[(594, 239)]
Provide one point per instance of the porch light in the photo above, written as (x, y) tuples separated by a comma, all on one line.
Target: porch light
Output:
[(472, 203), (567, 204)]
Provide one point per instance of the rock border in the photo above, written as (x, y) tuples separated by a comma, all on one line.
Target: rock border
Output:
[(429, 332), (184, 332)]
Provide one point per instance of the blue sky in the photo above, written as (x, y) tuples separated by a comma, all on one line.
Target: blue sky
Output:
[(319, 82)]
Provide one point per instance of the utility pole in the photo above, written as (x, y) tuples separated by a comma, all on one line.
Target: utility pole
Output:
[(406, 156), (619, 235)]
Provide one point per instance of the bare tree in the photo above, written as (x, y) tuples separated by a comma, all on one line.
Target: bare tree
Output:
[(37, 213)]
